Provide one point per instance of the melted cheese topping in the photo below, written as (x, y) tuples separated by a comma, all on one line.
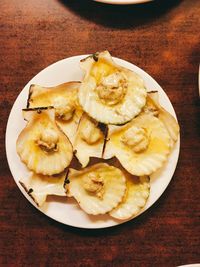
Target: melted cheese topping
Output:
[(93, 183), (64, 109), (102, 68), (90, 133), (112, 88), (48, 140), (136, 138)]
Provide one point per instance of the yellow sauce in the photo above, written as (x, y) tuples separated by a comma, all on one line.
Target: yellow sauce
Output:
[(102, 68)]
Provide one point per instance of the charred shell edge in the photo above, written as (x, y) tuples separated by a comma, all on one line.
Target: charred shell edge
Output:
[(105, 139), (152, 92), (94, 56), (29, 192), (38, 109), (29, 95), (66, 181)]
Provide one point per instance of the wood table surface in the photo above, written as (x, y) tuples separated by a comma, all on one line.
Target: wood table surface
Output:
[(162, 38)]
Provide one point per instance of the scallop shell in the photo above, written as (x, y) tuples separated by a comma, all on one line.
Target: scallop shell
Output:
[(41, 122), (100, 68), (135, 198), (60, 97), (147, 161), (113, 186), (40, 186)]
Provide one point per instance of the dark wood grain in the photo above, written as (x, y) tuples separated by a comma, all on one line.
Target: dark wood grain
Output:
[(162, 38)]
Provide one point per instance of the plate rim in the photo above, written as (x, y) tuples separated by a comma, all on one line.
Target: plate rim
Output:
[(17, 180)]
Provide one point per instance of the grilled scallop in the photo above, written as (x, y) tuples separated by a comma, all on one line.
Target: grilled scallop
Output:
[(141, 146), (153, 106), (64, 98), (97, 189), (89, 141), (135, 198), (110, 93), (41, 145), (39, 186)]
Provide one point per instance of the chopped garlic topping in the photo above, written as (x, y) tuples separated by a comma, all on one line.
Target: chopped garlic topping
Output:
[(91, 133), (48, 140), (93, 183), (112, 89), (136, 138), (64, 109), (113, 80)]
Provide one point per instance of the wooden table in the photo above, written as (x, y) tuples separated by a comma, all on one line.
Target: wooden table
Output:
[(161, 37)]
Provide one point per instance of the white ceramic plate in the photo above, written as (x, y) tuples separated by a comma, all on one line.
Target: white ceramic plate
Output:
[(60, 208), (123, 2)]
